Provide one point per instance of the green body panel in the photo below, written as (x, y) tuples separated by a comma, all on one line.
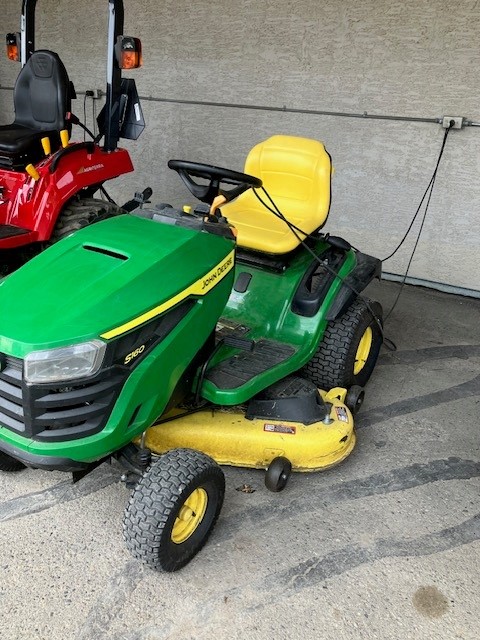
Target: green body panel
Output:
[(69, 294), (266, 309), (149, 386)]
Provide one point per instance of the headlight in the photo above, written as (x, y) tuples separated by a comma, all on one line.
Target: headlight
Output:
[(65, 363)]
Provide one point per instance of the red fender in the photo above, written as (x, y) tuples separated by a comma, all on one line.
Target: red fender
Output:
[(34, 205)]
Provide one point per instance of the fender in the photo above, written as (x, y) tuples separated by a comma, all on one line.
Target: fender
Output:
[(366, 269), (34, 205)]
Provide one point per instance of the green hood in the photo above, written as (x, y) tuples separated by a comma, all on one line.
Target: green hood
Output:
[(100, 278)]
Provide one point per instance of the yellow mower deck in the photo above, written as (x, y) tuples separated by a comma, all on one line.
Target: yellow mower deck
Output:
[(229, 438)]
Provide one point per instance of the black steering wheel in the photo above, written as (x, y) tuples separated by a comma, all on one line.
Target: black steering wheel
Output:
[(215, 176)]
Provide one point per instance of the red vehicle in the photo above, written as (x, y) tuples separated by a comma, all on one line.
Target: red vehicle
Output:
[(47, 181)]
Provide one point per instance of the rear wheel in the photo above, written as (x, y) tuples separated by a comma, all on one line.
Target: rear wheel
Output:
[(349, 349), (173, 509), (80, 212), (9, 464)]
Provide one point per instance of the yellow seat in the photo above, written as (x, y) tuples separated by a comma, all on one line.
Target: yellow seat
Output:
[(296, 172)]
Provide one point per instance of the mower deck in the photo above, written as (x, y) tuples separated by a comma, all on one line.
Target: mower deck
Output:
[(230, 439)]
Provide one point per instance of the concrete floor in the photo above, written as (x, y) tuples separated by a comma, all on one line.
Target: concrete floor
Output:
[(384, 546)]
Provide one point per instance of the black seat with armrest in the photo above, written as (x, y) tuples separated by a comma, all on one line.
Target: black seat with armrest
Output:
[(42, 98)]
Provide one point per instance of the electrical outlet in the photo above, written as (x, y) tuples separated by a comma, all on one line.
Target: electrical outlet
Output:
[(458, 120), (95, 94)]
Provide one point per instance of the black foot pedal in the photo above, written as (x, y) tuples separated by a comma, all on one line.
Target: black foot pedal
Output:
[(239, 343)]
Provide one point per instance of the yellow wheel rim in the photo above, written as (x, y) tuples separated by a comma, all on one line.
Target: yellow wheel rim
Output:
[(363, 350), (190, 515)]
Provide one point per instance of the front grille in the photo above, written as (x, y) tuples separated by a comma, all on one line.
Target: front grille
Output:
[(11, 396), (54, 412), (74, 411)]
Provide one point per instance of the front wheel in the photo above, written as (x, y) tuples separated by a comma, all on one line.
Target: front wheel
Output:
[(347, 354), (173, 509)]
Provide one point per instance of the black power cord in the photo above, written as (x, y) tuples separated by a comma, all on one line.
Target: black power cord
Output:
[(429, 191), (430, 186), (84, 127)]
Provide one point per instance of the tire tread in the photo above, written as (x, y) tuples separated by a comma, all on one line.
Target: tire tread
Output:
[(151, 503), (79, 213), (328, 367)]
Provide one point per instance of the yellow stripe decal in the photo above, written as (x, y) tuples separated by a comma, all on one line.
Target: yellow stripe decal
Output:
[(198, 288)]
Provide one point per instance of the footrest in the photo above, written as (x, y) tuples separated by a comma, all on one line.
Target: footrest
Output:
[(10, 230), (239, 369)]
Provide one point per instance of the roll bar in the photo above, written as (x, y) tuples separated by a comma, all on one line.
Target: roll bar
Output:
[(114, 73)]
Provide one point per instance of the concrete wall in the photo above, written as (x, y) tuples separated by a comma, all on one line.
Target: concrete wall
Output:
[(417, 58)]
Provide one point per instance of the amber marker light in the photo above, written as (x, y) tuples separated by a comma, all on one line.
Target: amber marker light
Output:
[(129, 52), (13, 51)]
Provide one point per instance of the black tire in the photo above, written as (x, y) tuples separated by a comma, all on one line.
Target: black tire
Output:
[(80, 212), (354, 399), (9, 464), (277, 474), (151, 519), (334, 363)]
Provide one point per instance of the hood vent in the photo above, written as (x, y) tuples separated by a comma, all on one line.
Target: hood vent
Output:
[(106, 252)]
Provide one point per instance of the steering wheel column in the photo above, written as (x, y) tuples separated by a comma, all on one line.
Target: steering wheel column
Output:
[(211, 192)]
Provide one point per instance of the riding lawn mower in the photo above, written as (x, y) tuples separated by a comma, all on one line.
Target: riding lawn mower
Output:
[(177, 340), (47, 183)]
